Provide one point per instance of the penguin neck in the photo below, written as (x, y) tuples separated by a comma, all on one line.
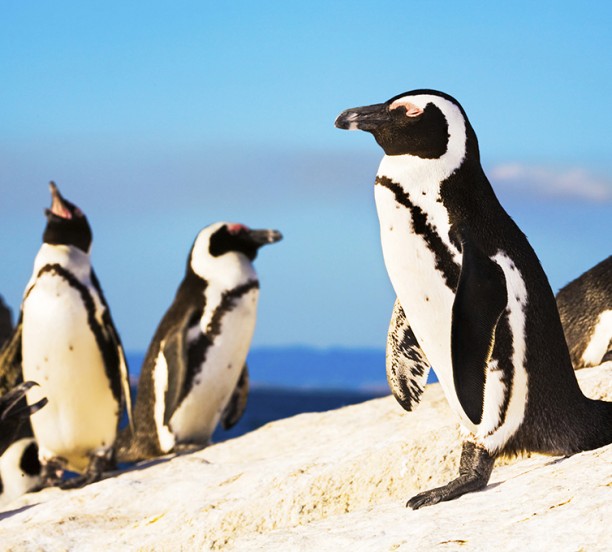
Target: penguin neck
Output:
[(69, 257), (225, 272)]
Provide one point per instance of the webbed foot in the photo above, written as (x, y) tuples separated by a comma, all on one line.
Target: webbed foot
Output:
[(474, 472)]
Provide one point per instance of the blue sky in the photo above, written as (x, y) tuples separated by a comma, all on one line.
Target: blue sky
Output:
[(158, 118)]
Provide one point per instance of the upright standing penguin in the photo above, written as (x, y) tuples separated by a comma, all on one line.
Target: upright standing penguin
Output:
[(70, 346), (472, 298), (194, 373)]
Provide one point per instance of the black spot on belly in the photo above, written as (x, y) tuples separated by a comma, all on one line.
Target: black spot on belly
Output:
[(421, 226)]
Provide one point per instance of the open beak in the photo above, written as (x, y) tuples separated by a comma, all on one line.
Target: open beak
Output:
[(10, 406), (58, 204), (368, 118)]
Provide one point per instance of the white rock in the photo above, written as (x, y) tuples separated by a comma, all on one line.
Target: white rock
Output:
[(332, 481)]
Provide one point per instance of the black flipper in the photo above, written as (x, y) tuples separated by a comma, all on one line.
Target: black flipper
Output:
[(479, 302), (114, 356), (175, 350), (475, 470), (407, 366), (237, 403)]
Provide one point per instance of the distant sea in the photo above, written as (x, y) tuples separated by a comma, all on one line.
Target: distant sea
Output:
[(286, 381)]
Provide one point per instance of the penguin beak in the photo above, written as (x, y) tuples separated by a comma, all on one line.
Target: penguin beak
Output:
[(366, 118), (59, 208), (264, 237), (9, 403)]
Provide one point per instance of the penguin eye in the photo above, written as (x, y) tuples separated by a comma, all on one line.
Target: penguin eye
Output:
[(412, 111)]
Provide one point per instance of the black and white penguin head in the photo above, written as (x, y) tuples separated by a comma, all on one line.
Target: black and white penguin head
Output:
[(224, 247), (423, 123), (66, 223), (19, 470)]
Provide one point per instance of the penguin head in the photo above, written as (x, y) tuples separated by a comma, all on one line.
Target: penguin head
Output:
[(421, 123), (221, 243), (66, 223)]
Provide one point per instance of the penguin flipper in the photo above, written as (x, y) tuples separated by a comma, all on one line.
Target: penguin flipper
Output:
[(407, 365), (237, 403), (480, 299), (175, 351), (115, 343)]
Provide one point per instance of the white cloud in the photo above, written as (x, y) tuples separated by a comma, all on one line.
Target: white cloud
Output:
[(571, 182)]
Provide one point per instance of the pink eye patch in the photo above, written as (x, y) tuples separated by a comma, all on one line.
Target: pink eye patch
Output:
[(411, 109), (236, 228)]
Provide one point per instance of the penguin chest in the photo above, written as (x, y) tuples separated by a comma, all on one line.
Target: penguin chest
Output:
[(420, 261), (60, 352), (216, 371)]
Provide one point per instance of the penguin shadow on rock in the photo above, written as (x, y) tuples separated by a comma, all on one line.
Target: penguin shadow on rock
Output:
[(194, 373), (585, 307), (66, 341), (472, 298)]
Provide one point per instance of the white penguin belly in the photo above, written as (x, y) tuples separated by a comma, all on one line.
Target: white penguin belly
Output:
[(198, 415), (420, 288), (61, 354)]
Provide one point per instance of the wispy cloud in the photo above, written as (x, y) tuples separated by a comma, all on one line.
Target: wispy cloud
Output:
[(552, 182)]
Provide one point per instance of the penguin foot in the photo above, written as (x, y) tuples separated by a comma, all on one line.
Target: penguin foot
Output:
[(475, 470), (100, 461), (80, 480), (186, 448), (50, 474)]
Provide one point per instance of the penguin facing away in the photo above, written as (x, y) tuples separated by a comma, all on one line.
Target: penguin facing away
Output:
[(19, 470), (472, 298), (585, 307), (194, 373), (69, 344)]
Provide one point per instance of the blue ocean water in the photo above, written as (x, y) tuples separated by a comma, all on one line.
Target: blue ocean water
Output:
[(286, 381)]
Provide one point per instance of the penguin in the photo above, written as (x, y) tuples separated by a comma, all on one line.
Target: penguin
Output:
[(472, 298), (69, 344), (194, 373), (585, 307), (19, 470), (14, 410)]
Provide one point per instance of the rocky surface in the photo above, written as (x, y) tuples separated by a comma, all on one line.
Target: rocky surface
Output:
[(332, 481)]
